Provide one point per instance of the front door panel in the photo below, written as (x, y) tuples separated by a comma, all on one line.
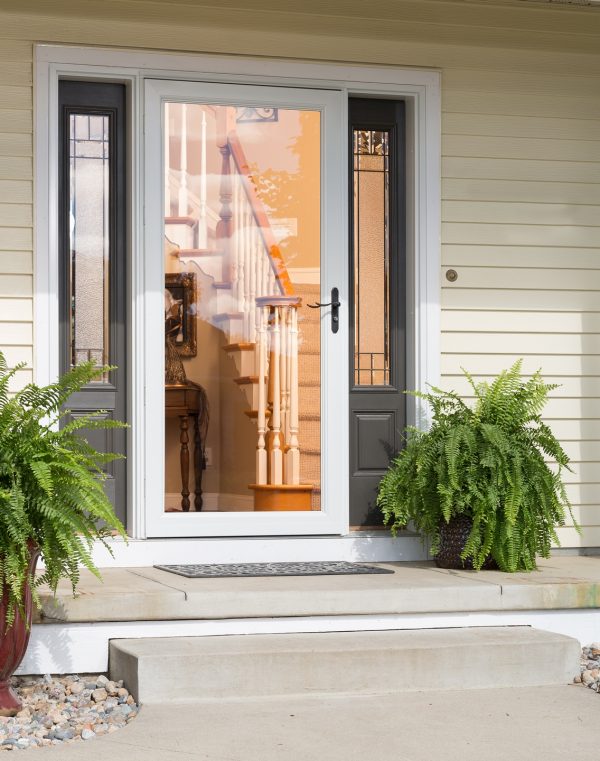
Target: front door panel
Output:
[(244, 231), (378, 314)]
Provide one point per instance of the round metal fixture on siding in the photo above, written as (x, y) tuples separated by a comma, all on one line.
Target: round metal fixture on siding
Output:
[(451, 276)]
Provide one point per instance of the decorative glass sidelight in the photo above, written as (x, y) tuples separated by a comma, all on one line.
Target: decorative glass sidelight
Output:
[(89, 237), (242, 233), (371, 180)]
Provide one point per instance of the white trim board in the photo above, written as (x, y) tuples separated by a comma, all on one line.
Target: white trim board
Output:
[(420, 89), (83, 648)]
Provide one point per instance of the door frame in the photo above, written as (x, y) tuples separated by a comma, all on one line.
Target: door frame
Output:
[(420, 88), (333, 517)]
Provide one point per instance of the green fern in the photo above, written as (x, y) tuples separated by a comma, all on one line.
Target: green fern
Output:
[(51, 485), (488, 462)]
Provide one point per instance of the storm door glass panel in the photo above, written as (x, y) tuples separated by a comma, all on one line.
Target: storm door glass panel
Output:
[(371, 181), (242, 233), (89, 238)]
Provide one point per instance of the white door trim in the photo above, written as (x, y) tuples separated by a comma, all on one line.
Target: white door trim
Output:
[(420, 89)]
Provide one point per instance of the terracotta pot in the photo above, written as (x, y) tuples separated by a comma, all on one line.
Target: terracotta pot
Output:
[(454, 536), (14, 641)]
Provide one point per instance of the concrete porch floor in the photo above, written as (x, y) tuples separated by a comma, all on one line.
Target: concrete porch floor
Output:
[(147, 594)]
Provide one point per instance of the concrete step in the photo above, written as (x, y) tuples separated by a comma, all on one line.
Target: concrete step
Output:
[(160, 670)]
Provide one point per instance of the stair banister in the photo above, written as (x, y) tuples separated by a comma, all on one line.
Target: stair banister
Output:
[(276, 259)]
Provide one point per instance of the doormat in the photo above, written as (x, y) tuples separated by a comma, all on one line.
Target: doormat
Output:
[(222, 570)]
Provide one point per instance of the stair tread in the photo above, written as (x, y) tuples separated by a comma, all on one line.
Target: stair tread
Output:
[(359, 641)]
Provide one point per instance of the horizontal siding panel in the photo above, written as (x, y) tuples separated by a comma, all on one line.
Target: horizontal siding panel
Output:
[(489, 363), (16, 215), (497, 212), (521, 257), (520, 343), (521, 148), (16, 120), (585, 515), (15, 97), (16, 50), (501, 83), (15, 355), (16, 168), (18, 310), (568, 537), (525, 191), (16, 285), (513, 169), (582, 472), (584, 494), (524, 278), (574, 387), (514, 104), (16, 72), (16, 262), (532, 299), (16, 239), (573, 430), (495, 125), (520, 235), (16, 191), (15, 144), (519, 322), (16, 333), (21, 379), (584, 453)]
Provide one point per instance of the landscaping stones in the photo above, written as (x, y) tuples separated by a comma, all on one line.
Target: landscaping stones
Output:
[(590, 667), (62, 709)]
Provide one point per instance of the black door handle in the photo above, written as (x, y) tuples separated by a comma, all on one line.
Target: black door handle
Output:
[(335, 305)]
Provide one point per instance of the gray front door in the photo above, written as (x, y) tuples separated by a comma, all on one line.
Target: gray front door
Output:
[(378, 311), (93, 248)]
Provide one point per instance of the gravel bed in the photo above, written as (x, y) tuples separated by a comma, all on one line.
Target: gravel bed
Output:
[(64, 709), (590, 667)]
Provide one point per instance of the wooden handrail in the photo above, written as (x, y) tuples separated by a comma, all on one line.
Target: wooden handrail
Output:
[(260, 215)]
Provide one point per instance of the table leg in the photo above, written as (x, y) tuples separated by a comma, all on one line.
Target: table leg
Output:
[(184, 458), (198, 463)]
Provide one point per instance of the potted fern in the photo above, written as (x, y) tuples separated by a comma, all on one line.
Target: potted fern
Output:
[(52, 503), (484, 482)]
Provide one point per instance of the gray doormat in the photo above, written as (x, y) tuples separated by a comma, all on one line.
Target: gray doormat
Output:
[(221, 570)]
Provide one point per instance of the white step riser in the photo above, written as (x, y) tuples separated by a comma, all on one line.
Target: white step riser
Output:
[(244, 362), (232, 328), (250, 391), (359, 663), (181, 234), (210, 264)]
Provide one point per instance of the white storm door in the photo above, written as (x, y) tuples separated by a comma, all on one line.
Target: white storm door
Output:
[(245, 225)]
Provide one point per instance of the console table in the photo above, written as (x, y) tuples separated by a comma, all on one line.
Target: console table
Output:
[(185, 402)]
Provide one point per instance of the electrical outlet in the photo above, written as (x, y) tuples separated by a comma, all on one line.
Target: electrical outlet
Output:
[(208, 457)]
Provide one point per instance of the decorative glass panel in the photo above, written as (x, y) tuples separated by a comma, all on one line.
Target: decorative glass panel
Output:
[(89, 238), (242, 230), (371, 258)]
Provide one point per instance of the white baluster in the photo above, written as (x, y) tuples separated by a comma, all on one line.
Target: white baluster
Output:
[(203, 223), (183, 189), (283, 354), (274, 437), (252, 265), (167, 161), (248, 301), (241, 236), (235, 280), (261, 452), (293, 452)]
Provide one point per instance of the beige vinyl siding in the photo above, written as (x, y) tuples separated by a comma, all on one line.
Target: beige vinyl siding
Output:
[(521, 226), (520, 170)]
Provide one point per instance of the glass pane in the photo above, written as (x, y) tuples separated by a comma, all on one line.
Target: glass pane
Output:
[(242, 260), (89, 197), (371, 258)]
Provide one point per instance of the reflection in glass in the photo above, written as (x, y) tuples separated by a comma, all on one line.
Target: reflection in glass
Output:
[(89, 196), (242, 221), (371, 258)]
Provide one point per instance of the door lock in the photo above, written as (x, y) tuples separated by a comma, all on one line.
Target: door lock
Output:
[(335, 305)]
